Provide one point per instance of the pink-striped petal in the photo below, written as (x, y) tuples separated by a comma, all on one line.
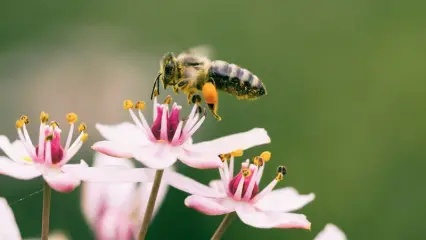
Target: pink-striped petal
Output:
[(331, 232), (9, 228), (18, 170), (125, 132), (208, 206), (189, 185), (16, 150), (114, 149), (284, 200), (60, 181), (200, 161), (108, 173), (157, 155), (244, 140), (261, 219)]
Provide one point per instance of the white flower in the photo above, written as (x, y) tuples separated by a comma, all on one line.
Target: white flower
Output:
[(261, 209), (48, 158), (169, 138), (114, 211)]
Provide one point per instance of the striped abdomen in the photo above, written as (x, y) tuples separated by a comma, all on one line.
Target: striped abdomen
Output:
[(236, 80)]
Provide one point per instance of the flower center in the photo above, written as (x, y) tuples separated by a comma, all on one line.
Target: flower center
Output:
[(245, 175), (171, 122), (56, 149)]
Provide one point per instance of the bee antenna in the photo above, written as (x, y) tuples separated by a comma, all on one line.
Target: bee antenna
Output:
[(156, 87)]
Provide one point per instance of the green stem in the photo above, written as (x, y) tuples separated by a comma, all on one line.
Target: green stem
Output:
[(226, 222), (151, 204), (46, 211)]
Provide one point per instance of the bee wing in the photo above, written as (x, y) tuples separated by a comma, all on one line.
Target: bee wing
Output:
[(201, 51)]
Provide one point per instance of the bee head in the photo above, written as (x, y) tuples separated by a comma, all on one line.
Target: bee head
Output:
[(169, 69)]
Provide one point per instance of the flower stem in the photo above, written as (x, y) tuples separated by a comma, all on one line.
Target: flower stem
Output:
[(226, 222), (151, 204), (46, 211)]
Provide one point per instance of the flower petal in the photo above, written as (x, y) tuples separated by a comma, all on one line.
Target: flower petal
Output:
[(108, 173), (218, 185), (113, 149), (95, 195), (126, 133), (208, 206), (9, 228), (331, 232), (18, 170), (60, 181), (284, 200), (189, 185), (16, 150), (157, 155), (260, 219), (200, 161), (244, 140)]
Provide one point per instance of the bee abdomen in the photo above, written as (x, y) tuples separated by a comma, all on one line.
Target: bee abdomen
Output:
[(236, 80)]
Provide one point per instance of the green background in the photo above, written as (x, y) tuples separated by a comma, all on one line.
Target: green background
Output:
[(345, 106)]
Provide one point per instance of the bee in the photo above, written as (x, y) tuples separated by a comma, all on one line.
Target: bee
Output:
[(192, 72)]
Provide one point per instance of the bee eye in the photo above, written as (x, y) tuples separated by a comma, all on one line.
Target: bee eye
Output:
[(169, 68)]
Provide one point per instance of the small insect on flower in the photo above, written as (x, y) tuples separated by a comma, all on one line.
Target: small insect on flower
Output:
[(262, 209), (169, 138), (115, 210), (48, 157)]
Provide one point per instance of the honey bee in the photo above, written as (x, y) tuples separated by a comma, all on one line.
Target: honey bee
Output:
[(192, 71)]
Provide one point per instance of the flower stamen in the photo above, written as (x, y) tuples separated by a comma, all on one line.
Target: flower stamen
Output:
[(127, 104), (19, 123), (44, 117), (140, 105), (25, 119), (82, 127), (71, 118), (281, 171), (246, 172), (168, 100)]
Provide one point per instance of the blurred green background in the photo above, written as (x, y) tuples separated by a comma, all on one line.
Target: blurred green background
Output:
[(345, 106)]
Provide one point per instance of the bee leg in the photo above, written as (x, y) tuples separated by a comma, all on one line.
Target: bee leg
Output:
[(211, 97), (189, 97), (196, 99)]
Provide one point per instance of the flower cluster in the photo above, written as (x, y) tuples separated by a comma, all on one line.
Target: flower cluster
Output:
[(119, 200)]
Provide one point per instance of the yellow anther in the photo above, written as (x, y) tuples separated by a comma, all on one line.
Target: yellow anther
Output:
[(54, 124), (49, 137), (71, 118), (237, 153), (140, 105), (246, 172), (266, 156), (127, 104), (25, 119), (225, 157), (168, 99), (258, 161), (19, 123), (44, 117), (82, 127), (279, 177), (84, 137)]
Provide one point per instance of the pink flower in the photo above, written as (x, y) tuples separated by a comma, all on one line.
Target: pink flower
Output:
[(261, 209), (48, 158), (169, 138), (9, 229), (114, 210), (331, 232)]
